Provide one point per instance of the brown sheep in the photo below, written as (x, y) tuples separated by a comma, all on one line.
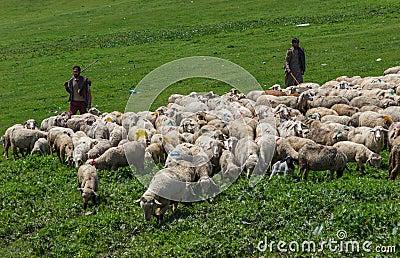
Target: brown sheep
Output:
[(320, 158), (394, 162)]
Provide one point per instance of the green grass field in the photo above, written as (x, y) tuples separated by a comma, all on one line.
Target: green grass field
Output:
[(40, 41)]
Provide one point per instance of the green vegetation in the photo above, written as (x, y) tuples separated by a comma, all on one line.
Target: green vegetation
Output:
[(41, 210)]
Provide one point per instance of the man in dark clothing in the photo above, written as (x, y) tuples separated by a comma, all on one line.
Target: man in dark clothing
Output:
[(295, 64), (78, 87)]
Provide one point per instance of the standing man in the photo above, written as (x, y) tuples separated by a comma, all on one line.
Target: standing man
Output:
[(295, 64), (78, 88)]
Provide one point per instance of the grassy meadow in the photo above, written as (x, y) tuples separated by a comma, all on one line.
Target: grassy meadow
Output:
[(41, 210)]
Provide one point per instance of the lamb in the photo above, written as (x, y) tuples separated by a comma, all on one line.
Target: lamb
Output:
[(88, 184), (372, 138), (25, 139), (41, 147), (359, 153), (64, 147), (320, 158), (6, 138), (283, 166)]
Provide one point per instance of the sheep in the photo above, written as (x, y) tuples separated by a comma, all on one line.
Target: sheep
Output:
[(344, 109), (25, 139), (54, 132), (80, 153), (344, 120), (325, 136), (59, 120), (320, 158), (98, 130), (6, 138), (129, 153), (370, 108), (189, 125), (31, 124), (394, 164), (246, 155), (392, 70), (164, 183), (94, 111), (64, 148), (229, 170), (283, 148), (116, 135), (373, 119), (372, 138), (288, 128), (328, 101), (88, 184), (155, 152), (359, 153), (274, 92), (41, 147), (393, 112), (298, 142), (322, 111), (99, 148), (393, 133), (361, 101), (286, 113), (213, 148)]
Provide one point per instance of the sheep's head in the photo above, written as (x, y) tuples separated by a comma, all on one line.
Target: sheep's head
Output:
[(375, 160), (149, 206), (31, 124), (87, 194)]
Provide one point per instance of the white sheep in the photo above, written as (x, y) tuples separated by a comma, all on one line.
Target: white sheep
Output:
[(24, 139), (6, 138), (88, 184), (64, 148), (372, 138), (359, 153), (41, 147)]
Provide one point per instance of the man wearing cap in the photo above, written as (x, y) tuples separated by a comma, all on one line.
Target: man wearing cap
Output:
[(295, 64)]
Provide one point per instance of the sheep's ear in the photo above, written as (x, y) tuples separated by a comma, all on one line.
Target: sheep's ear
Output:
[(157, 202), (95, 194), (138, 200), (79, 189)]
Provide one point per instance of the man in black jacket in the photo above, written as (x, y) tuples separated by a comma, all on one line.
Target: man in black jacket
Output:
[(78, 88), (295, 64)]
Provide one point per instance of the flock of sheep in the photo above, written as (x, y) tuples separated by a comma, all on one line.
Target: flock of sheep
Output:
[(200, 139)]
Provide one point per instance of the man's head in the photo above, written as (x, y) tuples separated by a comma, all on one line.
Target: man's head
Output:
[(76, 70), (295, 42)]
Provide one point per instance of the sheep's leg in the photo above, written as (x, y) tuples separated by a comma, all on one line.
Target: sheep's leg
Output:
[(362, 167), (14, 151), (306, 170), (332, 174), (394, 172)]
